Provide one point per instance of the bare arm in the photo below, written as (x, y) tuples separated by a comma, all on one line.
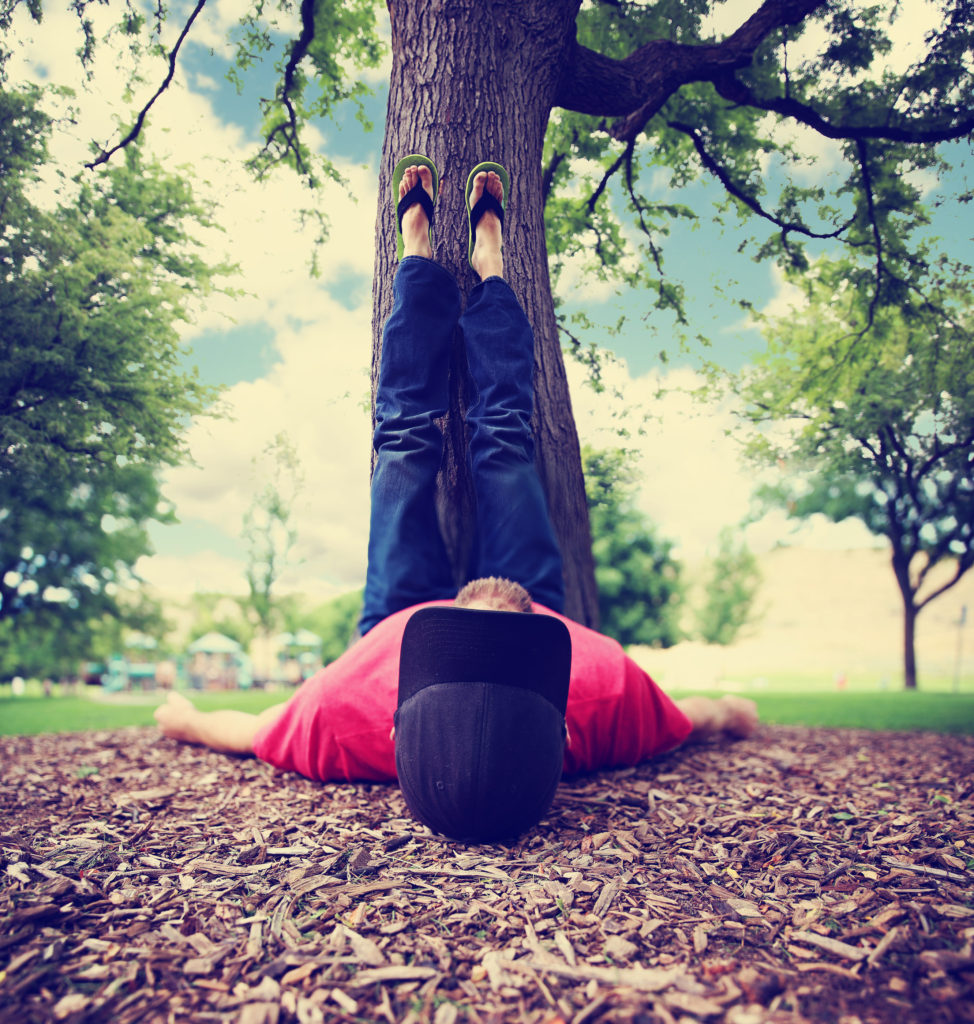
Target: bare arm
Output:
[(230, 732)]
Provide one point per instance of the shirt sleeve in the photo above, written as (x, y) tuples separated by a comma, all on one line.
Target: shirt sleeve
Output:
[(336, 726), (330, 735), (617, 715)]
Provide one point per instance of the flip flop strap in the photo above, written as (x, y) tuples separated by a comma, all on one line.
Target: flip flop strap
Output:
[(417, 194), (486, 203)]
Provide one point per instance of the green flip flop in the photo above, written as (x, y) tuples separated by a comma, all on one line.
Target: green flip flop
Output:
[(417, 194), (485, 202)]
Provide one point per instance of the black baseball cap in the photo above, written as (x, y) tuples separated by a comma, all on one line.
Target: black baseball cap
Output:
[(480, 722)]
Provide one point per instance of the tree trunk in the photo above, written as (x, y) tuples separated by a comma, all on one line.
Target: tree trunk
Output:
[(901, 569), (909, 645), (475, 81)]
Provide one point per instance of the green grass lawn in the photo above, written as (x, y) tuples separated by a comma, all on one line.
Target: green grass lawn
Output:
[(33, 713), (860, 681), (897, 711), (894, 710)]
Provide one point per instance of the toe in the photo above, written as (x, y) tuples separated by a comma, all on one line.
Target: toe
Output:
[(407, 181), (479, 182)]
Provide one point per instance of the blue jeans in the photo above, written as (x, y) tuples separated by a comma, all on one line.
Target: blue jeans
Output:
[(408, 563)]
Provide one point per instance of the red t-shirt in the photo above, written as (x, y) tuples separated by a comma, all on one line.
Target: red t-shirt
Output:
[(336, 727)]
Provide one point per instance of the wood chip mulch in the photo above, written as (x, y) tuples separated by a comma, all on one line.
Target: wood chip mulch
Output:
[(801, 875)]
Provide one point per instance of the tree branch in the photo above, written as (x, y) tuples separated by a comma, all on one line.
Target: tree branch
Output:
[(751, 202), (600, 188), (867, 190), (730, 88), (944, 451), (900, 464), (963, 564), (639, 205), (636, 87), (106, 154), (548, 177), (290, 129)]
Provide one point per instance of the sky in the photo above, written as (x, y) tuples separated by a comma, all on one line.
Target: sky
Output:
[(292, 351)]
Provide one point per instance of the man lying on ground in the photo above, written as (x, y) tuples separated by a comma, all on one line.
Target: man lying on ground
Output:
[(478, 701)]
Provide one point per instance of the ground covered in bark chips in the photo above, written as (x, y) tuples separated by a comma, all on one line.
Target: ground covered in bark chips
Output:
[(802, 875)]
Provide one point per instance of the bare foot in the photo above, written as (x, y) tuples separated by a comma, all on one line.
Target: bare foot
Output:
[(415, 224), (175, 718), (487, 259)]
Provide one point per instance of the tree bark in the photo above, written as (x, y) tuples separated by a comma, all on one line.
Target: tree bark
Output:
[(636, 87), (901, 570), (475, 81), (909, 645)]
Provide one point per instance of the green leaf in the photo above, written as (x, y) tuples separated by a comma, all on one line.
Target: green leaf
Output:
[(94, 390), (639, 580)]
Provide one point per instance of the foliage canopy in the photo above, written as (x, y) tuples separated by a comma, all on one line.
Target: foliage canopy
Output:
[(645, 99), (94, 393), (881, 431), (639, 580), (730, 591), (654, 96)]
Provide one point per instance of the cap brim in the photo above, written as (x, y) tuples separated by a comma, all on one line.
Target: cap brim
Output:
[(446, 644)]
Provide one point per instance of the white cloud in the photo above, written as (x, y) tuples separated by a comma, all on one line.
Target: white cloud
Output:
[(688, 455), (819, 157), (205, 571), (582, 275), (317, 394), (787, 299), (580, 280), (908, 34), (264, 235), (725, 17), (693, 481), (925, 181), (816, 533)]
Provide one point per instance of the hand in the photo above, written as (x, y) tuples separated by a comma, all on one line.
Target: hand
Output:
[(740, 716)]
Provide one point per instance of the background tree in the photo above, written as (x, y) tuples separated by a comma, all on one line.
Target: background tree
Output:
[(882, 432), (218, 613), (639, 580), (732, 585), (268, 531), (93, 390), (334, 622), (629, 89), (47, 642)]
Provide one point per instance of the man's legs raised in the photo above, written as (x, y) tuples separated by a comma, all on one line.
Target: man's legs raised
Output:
[(408, 563), (516, 540)]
